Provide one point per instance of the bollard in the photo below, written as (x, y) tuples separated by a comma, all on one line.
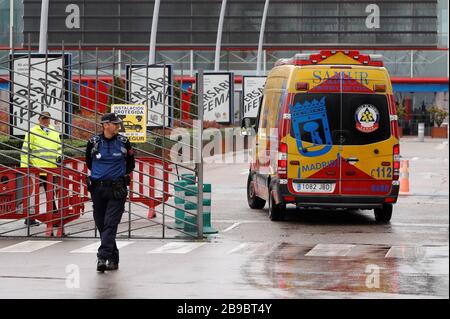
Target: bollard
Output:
[(188, 178), (404, 178), (190, 195), (207, 228), (179, 188), (179, 212), (421, 132), (192, 219), (190, 225), (207, 191), (179, 219)]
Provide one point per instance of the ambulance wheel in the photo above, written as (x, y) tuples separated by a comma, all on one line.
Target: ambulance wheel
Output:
[(253, 201), (383, 215), (276, 211)]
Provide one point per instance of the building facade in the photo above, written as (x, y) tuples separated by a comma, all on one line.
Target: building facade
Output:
[(411, 35)]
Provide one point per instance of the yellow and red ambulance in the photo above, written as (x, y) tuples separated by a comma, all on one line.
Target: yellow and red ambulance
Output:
[(326, 136)]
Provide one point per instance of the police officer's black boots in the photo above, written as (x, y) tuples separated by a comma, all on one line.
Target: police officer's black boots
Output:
[(101, 265), (112, 265)]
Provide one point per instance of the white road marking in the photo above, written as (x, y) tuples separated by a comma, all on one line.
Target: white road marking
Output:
[(402, 252), (231, 227), (420, 225), (238, 248), (255, 248), (93, 248), (330, 250), (244, 172), (406, 252), (414, 158), (243, 221), (176, 248), (28, 246), (437, 251)]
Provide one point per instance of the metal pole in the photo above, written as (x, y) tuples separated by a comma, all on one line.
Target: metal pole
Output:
[(79, 76), (261, 38), (95, 107), (128, 99), (120, 63), (181, 94), (164, 149), (113, 84), (199, 158), (129, 215), (44, 27), (191, 62), (63, 129), (219, 36), (151, 56), (265, 62), (29, 135), (11, 23), (96, 91)]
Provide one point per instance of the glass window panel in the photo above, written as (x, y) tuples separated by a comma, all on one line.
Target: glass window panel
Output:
[(324, 9), (238, 24), (205, 8), (105, 24), (430, 63), (424, 9), (203, 24), (135, 24), (174, 9), (396, 9), (140, 9), (100, 8), (178, 24)]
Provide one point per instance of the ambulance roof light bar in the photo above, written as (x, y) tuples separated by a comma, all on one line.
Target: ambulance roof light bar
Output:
[(376, 57), (301, 59), (285, 61)]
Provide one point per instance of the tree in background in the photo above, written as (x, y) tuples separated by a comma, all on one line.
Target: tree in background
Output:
[(117, 93)]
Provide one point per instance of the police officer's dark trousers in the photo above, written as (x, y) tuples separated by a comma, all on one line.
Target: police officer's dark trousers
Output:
[(107, 215)]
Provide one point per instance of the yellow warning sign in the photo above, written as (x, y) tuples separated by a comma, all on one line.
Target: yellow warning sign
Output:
[(134, 119)]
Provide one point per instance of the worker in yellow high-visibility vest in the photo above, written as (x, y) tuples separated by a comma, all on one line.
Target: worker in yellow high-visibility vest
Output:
[(43, 144)]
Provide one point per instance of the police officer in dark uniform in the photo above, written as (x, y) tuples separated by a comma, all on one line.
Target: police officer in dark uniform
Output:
[(110, 158)]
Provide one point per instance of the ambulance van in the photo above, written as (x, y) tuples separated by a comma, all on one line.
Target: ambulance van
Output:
[(326, 136)]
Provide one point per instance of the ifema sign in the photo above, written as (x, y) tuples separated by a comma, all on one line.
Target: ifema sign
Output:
[(134, 119)]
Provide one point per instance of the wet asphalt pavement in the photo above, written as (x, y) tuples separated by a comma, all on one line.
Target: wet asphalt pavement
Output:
[(312, 254)]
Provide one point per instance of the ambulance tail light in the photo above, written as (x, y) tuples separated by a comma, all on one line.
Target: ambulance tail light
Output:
[(284, 125), (396, 152), (282, 160), (380, 88), (302, 86)]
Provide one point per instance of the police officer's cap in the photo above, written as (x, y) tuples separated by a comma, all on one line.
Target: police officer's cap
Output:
[(110, 118), (44, 115)]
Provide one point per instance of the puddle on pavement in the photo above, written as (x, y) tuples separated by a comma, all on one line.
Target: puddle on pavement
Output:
[(364, 269)]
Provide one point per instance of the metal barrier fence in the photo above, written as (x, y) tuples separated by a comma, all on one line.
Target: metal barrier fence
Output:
[(58, 197)]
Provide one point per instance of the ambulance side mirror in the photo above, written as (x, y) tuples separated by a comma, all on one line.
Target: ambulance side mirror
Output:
[(248, 126)]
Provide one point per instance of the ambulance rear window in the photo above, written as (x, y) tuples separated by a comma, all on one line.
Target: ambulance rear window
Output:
[(340, 119)]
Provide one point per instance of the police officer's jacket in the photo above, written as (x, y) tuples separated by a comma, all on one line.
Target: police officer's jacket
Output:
[(44, 146), (109, 159)]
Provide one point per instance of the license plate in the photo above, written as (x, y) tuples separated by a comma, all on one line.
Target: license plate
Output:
[(314, 187)]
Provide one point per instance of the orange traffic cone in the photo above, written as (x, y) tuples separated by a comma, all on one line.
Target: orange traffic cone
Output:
[(404, 178)]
